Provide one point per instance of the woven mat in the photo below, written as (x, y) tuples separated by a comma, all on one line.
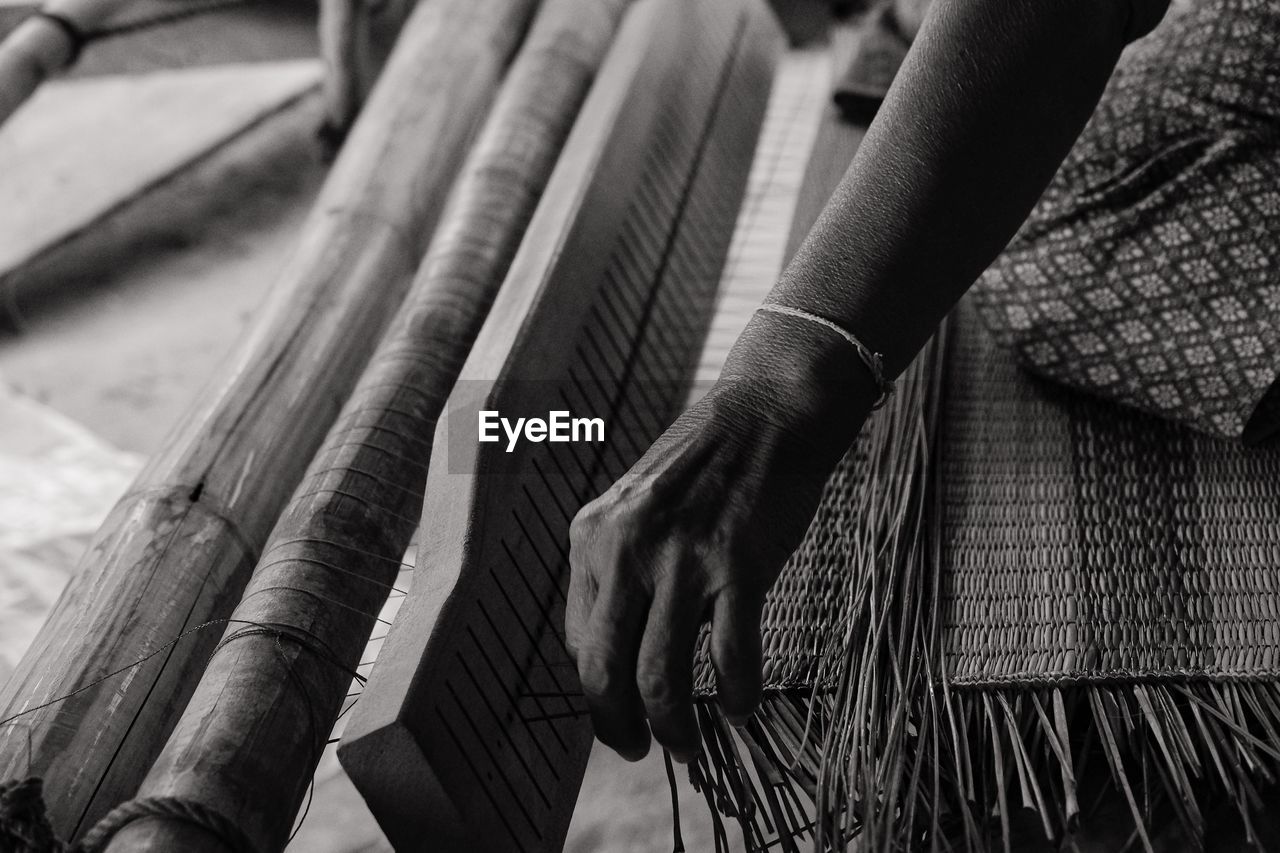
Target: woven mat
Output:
[(1007, 579), (1081, 541), (1086, 541)]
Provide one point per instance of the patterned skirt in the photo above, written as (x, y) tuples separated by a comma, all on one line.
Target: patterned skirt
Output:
[(1149, 272)]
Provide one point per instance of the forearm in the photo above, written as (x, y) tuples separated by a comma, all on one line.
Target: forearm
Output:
[(989, 102)]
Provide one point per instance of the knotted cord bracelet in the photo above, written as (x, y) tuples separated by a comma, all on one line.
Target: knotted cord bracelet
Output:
[(872, 359)]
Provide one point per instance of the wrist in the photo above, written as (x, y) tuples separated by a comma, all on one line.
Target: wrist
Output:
[(801, 378)]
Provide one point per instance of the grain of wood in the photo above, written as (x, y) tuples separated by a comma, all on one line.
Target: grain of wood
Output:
[(178, 549), (471, 731), (250, 738), (837, 142)]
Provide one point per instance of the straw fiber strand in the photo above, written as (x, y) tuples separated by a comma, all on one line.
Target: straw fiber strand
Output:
[(1086, 542), (1022, 619)]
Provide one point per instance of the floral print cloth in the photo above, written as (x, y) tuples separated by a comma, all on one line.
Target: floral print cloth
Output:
[(1149, 272)]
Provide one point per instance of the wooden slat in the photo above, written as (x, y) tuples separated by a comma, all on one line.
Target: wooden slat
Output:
[(470, 732), (759, 248), (81, 151), (250, 738), (177, 551), (833, 151)]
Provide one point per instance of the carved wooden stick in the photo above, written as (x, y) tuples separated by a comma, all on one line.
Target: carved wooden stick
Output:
[(250, 738), (177, 551)]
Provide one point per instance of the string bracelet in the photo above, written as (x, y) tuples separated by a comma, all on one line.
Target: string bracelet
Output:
[(872, 359)]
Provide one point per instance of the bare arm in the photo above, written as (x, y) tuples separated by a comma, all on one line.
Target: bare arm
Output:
[(989, 102), (986, 107)]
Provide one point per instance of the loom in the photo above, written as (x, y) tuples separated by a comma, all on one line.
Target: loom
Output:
[(471, 707), (1005, 581)]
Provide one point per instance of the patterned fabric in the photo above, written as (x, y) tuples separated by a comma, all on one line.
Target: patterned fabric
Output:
[(1149, 272)]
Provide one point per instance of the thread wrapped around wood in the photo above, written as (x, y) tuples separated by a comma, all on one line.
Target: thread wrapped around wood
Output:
[(177, 550), (258, 722), (471, 731)]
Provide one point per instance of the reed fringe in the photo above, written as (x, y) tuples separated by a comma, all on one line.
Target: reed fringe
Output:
[(884, 751)]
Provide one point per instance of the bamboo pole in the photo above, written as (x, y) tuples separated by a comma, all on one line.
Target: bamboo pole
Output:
[(40, 47), (255, 728), (178, 549), (471, 731), (355, 39)]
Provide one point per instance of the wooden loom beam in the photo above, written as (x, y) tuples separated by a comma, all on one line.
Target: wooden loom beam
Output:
[(177, 550), (469, 732), (38, 48), (255, 728)]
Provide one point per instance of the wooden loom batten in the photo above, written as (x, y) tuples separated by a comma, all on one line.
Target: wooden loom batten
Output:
[(255, 728), (469, 735), (177, 550)]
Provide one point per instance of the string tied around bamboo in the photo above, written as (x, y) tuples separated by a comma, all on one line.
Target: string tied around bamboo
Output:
[(24, 820), (25, 827)]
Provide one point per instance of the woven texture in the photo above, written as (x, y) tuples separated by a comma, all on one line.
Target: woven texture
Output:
[(1087, 541), (1032, 580), (1147, 272), (1082, 541)]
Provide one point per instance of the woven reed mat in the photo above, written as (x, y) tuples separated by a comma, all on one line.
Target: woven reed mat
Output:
[(1014, 600)]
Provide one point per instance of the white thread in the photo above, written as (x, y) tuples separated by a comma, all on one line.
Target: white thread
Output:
[(872, 359)]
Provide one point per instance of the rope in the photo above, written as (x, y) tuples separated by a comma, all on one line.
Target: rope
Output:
[(24, 819), (168, 808), (25, 826)]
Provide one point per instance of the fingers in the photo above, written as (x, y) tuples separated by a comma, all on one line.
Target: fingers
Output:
[(606, 657), (578, 603), (736, 652), (665, 670)]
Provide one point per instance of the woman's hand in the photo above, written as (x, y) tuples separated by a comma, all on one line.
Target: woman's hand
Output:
[(699, 528)]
